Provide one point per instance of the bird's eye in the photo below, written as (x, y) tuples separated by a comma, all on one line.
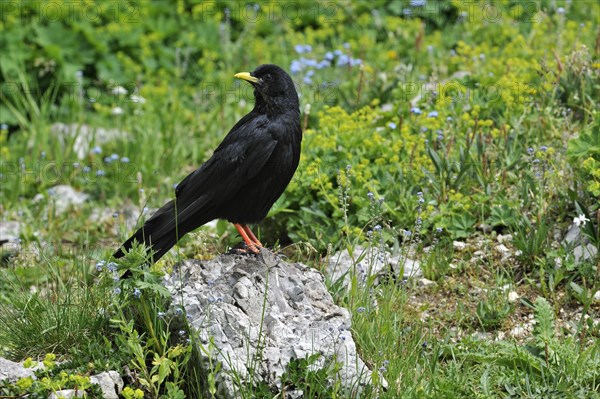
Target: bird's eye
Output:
[(267, 77)]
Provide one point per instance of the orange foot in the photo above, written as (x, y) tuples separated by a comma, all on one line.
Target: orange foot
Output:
[(250, 239)]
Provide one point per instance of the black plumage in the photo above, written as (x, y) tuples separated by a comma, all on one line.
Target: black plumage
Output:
[(244, 177)]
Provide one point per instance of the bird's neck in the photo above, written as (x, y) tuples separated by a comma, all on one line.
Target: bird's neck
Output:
[(272, 108)]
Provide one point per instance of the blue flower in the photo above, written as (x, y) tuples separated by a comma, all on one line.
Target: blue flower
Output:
[(407, 12), (111, 267), (181, 333), (560, 10), (439, 230), (114, 157), (310, 73), (449, 119), (125, 160), (100, 173), (296, 66), (377, 228), (310, 62), (3, 126), (323, 64), (107, 160), (100, 265), (432, 114), (530, 151), (179, 311), (338, 52), (355, 61), (302, 48), (97, 150), (307, 80), (343, 60), (360, 310), (117, 291), (137, 293), (86, 169), (543, 148), (416, 110), (371, 196), (392, 125), (346, 45), (329, 56), (418, 3)]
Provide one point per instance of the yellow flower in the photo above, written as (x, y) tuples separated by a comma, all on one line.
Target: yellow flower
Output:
[(25, 383)]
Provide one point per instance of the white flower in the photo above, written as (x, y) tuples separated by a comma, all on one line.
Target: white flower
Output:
[(119, 90), (117, 111), (580, 220), (137, 99)]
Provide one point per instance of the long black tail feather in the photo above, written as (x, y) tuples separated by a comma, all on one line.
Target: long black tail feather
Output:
[(160, 233)]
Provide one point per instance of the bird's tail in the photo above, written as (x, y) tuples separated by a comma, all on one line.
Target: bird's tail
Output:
[(160, 233)]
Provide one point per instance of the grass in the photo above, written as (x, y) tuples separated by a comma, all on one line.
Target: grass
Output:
[(446, 182)]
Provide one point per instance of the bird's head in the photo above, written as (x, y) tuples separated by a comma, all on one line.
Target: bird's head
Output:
[(274, 89)]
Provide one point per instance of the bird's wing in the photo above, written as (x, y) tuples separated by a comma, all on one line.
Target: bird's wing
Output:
[(242, 154)]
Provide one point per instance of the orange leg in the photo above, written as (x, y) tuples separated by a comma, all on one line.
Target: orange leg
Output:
[(251, 235), (252, 246)]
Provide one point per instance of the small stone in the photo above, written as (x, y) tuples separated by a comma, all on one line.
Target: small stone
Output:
[(486, 228), (481, 336), (584, 252), (12, 371), (65, 196), (518, 332), (504, 238), (573, 235), (597, 296), (84, 137), (459, 245), (341, 265), (502, 249), (67, 394), (110, 383), (423, 282), (10, 230), (513, 297)]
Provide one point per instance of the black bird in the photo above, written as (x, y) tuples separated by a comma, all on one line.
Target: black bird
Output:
[(245, 175)]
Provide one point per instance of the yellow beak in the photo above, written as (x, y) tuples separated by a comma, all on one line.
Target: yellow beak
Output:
[(246, 76)]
